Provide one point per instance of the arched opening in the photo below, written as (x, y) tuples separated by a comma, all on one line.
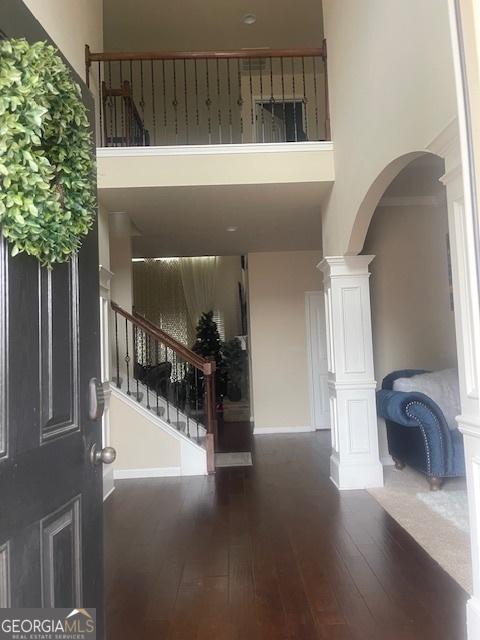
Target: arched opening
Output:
[(413, 332)]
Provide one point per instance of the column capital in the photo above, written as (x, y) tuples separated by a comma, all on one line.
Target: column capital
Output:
[(345, 265)]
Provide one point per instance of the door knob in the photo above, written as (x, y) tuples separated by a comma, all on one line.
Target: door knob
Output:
[(106, 455)]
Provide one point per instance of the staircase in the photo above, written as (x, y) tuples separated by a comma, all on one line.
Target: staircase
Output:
[(167, 385)]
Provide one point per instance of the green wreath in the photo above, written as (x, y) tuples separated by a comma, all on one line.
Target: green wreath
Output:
[(47, 202)]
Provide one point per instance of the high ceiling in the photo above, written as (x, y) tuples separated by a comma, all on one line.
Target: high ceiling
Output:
[(156, 25), (190, 221)]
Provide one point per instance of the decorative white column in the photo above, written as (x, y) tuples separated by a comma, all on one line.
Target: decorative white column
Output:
[(354, 463)]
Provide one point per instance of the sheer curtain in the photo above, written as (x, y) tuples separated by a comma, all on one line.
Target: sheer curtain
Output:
[(199, 277), (158, 295)]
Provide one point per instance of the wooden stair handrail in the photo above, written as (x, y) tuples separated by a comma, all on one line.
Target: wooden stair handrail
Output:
[(207, 367), (112, 56)]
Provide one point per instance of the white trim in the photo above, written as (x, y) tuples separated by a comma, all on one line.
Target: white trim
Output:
[(155, 472), (214, 149), (317, 340), (473, 618), (266, 431), (109, 493)]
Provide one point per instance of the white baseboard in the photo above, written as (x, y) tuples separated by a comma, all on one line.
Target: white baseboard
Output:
[(473, 618), (155, 472), (264, 431), (387, 460)]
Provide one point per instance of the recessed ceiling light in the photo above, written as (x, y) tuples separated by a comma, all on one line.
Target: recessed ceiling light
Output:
[(232, 228), (250, 18)]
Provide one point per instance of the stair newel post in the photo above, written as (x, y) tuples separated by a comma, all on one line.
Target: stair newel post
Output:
[(127, 357), (209, 378)]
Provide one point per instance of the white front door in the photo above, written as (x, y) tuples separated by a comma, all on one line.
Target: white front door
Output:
[(317, 359)]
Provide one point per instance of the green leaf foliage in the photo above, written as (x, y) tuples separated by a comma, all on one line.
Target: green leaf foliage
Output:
[(47, 168)]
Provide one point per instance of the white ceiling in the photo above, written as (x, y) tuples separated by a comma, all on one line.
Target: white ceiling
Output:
[(191, 25), (192, 221)]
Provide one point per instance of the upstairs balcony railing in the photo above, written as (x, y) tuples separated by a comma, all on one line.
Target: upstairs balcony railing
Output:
[(210, 97)]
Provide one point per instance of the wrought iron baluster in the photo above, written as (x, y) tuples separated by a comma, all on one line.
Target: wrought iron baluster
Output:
[(305, 105), (185, 97), (117, 351), (283, 100), (127, 357), (262, 110), (167, 390), (123, 136), (164, 85), (147, 346), (175, 101), (240, 99), (272, 102), (154, 115), (109, 97), (208, 102), (294, 101), (219, 108), (316, 97), (251, 95), (186, 385), (325, 86), (142, 103), (133, 121), (135, 358), (197, 115), (175, 360), (229, 93)]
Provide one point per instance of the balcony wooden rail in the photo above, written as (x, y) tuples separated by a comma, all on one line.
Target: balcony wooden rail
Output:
[(171, 379), (210, 97)]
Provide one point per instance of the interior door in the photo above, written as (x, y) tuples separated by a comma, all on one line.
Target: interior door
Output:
[(317, 359), (50, 493)]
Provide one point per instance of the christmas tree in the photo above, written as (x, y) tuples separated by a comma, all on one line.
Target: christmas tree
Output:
[(209, 345)]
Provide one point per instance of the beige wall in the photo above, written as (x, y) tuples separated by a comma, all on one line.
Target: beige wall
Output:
[(391, 92), (139, 443), (277, 285), (121, 259), (413, 324), (71, 24)]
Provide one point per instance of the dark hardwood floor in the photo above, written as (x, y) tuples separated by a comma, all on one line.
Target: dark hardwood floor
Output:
[(234, 436), (269, 552)]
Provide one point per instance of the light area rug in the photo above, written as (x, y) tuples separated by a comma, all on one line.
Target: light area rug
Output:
[(236, 459), (438, 521)]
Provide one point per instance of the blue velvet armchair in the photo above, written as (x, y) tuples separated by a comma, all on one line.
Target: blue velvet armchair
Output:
[(418, 434)]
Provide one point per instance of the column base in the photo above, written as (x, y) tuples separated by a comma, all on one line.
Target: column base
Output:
[(355, 476), (473, 618)]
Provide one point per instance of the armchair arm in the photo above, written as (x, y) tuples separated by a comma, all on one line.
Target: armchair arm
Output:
[(416, 410)]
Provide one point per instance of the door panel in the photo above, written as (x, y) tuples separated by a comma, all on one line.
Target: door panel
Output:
[(51, 495)]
